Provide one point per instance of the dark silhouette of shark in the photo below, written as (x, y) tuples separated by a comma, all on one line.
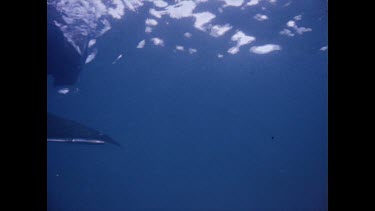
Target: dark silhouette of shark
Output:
[(69, 131)]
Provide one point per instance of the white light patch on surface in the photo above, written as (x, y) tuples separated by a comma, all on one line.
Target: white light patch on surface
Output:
[(141, 44), (253, 2), (241, 39), (107, 27), (286, 32), (180, 48), (220, 55), (133, 5), (160, 3), (100, 8), (260, 17), (91, 43), (156, 13), (157, 41), (291, 24), (188, 35), (151, 22), (118, 11), (192, 50), (202, 19), (148, 29), (324, 48), (301, 30), (68, 20), (218, 30), (63, 91), (182, 9), (91, 57), (233, 50), (298, 17), (233, 3), (264, 49)]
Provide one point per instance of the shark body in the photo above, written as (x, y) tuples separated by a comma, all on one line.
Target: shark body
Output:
[(68, 131)]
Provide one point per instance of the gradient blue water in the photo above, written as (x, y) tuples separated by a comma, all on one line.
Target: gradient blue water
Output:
[(197, 130)]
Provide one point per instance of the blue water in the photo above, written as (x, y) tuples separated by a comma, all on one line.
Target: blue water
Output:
[(245, 132)]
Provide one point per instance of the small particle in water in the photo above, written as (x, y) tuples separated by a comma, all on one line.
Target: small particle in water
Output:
[(119, 57), (63, 91), (57, 175)]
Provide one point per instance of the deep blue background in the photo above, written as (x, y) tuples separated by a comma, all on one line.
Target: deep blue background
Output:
[(197, 130)]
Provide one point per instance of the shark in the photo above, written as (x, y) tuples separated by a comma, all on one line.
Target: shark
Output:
[(64, 130), (66, 56)]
